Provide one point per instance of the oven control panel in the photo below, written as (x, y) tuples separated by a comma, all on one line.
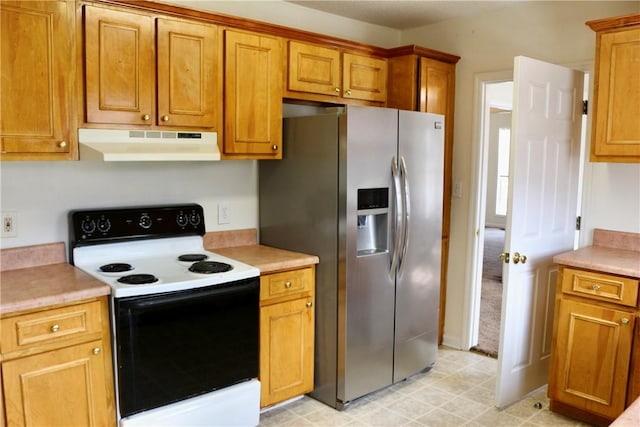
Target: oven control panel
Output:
[(104, 225)]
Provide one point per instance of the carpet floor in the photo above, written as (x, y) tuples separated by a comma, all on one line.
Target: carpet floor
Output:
[(491, 293)]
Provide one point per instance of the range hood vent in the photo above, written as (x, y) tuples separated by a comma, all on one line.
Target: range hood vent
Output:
[(121, 145)]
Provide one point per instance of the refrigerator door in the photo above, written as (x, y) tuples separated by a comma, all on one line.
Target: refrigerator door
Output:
[(421, 149), (366, 297)]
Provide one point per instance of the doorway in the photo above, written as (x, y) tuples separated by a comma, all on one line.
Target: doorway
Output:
[(494, 179)]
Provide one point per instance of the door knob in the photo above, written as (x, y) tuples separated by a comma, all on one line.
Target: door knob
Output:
[(519, 258), (504, 256)]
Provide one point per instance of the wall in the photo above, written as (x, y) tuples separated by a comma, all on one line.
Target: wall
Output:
[(549, 31), (42, 193), (302, 18)]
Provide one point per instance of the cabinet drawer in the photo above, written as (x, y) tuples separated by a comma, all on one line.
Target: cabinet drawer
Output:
[(287, 283), (603, 287), (44, 327)]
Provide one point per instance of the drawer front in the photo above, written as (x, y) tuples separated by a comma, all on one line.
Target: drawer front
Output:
[(50, 325), (603, 287), (286, 283)]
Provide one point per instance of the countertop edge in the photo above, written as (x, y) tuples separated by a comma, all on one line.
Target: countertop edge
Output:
[(622, 262)]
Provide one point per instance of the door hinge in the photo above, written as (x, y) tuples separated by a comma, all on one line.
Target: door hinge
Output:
[(578, 222), (585, 106)]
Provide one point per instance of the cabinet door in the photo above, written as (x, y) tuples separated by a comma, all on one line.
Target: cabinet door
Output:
[(63, 387), (314, 69), (119, 67), (617, 96), (36, 57), (437, 87), (364, 78), (591, 358), (189, 76), (286, 350), (253, 95)]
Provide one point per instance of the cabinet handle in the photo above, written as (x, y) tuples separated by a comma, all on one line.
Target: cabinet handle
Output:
[(624, 321), (596, 287), (96, 350), (62, 144), (287, 284), (147, 117), (55, 328), (274, 147), (337, 90), (309, 304), (165, 118), (348, 93)]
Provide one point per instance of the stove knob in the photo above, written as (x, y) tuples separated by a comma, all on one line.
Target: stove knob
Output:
[(145, 221), (88, 225), (182, 219), (104, 225), (194, 218)]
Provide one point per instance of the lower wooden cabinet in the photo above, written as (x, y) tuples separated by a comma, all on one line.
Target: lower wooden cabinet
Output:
[(593, 344), (56, 367), (286, 334)]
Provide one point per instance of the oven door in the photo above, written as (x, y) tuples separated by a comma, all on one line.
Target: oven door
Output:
[(176, 345)]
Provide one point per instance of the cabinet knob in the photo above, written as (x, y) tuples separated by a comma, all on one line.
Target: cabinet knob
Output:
[(337, 90), (624, 321), (274, 147), (96, 350), (596, 287), (62, 144), (55, 328), (287, 284), (504, 256), (348, 93), (309, 304), (165, 118), (147, 117)]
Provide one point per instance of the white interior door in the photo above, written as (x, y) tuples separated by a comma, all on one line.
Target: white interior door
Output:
[(541, 213)]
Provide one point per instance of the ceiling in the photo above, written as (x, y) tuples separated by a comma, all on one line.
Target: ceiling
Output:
[(401, 14)]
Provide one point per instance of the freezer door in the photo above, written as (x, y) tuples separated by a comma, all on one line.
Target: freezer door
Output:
[(420, 151), (366, 297)]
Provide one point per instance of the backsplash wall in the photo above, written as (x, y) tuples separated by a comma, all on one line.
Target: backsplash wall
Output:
[(42, 193)]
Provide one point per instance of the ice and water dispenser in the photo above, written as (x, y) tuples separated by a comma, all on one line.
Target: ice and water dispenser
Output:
[(373, 214)]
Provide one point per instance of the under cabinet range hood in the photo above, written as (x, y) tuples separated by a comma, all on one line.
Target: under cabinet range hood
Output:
[(122, 145)]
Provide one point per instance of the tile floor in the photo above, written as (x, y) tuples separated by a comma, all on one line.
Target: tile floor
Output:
[(458, 391)]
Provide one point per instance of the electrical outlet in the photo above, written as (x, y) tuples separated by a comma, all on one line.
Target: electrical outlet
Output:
[(9, 224), (224, 213)]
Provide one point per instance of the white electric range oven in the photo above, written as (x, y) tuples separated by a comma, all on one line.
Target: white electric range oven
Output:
[(185, 321)]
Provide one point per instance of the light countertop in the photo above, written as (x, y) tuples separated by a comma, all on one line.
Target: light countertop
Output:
[(267, 259), (46, 285), (612, 252)]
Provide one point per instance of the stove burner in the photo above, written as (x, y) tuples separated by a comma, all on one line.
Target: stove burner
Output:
[(209, 267), (192, 257), (138, 279), (116, 267)]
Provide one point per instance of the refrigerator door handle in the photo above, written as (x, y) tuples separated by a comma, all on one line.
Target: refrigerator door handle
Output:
[(406, 214), (397, 218)]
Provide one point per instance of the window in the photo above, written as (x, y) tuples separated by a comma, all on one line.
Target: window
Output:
[(504, 145)]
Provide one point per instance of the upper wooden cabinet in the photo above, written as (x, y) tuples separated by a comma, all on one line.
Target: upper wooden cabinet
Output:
[(326, 71), (36, 60), (615, 136), (253, 95), (125, 51)]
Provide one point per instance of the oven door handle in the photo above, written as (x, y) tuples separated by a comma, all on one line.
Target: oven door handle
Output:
[(149, 302)]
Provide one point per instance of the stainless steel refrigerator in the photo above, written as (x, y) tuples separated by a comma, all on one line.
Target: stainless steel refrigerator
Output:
[(362, 189)]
